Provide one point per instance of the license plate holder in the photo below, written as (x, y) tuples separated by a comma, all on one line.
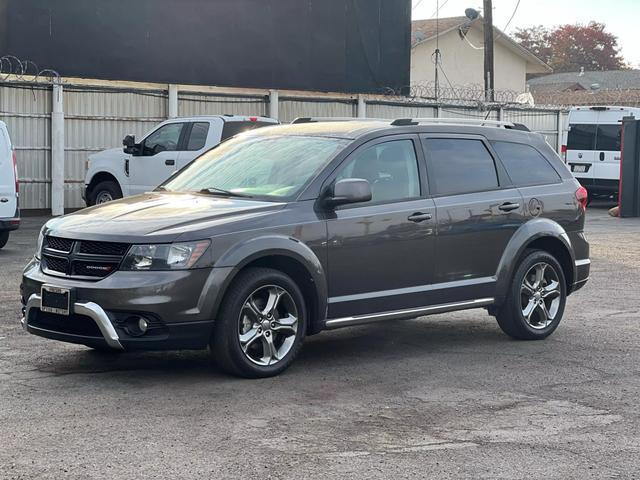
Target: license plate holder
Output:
[(580, 167), (56, 300)]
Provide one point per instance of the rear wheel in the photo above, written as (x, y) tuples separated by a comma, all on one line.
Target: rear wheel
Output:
[(536, 300), (4, 238), (104, 192), (261, 325)]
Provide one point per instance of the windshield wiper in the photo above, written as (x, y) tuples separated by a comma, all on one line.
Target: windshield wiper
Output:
[(223, 192)]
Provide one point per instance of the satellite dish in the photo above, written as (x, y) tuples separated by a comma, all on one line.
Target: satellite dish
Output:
[(471, 13)]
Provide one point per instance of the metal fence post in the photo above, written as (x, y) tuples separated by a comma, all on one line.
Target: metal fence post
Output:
[(560, 132), (362, 107), (57, 149), (273, 104), (173, 101)]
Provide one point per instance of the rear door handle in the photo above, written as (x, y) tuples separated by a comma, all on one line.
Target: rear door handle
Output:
[(508, 206), (419, 217), (169, 162), (4, 200)]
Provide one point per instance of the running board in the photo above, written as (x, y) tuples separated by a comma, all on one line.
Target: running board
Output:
[(407, 313)]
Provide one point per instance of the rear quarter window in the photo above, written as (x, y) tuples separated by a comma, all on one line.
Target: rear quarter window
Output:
[(608, 138), (525, 165), (233, 128)]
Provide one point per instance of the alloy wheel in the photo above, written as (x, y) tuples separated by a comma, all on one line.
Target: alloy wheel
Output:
[(268, 325), (540, 295)]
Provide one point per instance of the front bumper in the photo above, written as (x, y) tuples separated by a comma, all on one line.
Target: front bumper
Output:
[(178, 305)]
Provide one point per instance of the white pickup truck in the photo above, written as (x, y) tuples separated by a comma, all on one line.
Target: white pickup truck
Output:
[(141, 166)]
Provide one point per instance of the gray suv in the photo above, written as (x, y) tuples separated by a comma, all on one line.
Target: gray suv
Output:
[(285, 231)]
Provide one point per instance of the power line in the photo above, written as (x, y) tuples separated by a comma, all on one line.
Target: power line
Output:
[(438, 8), (417, 4), (510, 18)]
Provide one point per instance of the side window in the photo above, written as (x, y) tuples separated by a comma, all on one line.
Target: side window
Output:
[(581, 137), (165, 139), (525, 165), (198, 136), (608, 138), (460, 166), (391, 168)]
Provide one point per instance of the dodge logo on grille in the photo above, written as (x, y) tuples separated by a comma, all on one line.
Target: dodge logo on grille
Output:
[(101, 268)]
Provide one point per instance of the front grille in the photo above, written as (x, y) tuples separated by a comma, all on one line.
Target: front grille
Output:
[(73, 324), (84, 259), (103, 248), (60, 244)]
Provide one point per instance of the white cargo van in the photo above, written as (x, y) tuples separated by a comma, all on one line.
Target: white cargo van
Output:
[(592, 147), (143, 165), (9, 207)]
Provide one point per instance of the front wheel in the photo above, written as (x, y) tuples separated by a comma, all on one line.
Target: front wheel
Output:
[(261, 324), (4, 238), (104, 192), (536, 300)]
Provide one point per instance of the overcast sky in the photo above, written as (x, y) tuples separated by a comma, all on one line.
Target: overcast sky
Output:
[(621, 17)]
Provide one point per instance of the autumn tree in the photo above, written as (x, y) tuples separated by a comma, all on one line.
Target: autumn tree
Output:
[(567, 48)]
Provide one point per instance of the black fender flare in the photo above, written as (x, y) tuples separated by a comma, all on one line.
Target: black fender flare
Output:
[(524, 236), (243, 253)]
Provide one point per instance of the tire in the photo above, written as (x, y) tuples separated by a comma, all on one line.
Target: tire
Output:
[(4, 238), (523, 298), (104, 192), (240, 340)]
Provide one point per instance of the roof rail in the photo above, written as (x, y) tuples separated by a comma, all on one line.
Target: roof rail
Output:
[(336, 119), (452, 121)]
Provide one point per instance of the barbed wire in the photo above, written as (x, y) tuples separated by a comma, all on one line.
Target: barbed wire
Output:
[(12, 68), (622, 97)]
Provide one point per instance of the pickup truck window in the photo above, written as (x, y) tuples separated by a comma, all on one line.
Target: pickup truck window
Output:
[(233, 128), (198, 136), (164, 139)]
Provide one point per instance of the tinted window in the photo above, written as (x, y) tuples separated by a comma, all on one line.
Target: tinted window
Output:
[(525, 165), (164, 139), (581, 137), (460, 166), (391, 168), (608, 137), (198, 136), (233, 128)]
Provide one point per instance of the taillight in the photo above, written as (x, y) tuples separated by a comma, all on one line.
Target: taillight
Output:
[(253, 119), (582, 196), (563, 153), (15, 172)]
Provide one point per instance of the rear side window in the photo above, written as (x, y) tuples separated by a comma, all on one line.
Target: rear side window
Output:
[(608, 138), (525, 165), (581, 137), (198, 136), (233, 128), (460, 166)]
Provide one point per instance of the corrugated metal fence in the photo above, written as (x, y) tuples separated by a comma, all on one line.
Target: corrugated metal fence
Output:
[(99, 114)]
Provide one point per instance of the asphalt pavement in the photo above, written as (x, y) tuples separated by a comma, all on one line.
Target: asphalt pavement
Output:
[(445, 396)]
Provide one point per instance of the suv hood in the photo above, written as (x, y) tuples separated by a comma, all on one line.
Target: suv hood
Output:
[(157, 217)]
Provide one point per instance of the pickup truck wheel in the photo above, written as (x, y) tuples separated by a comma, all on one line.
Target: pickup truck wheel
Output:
[(104, 192), (536, 300), (4, 238), (261, 324)]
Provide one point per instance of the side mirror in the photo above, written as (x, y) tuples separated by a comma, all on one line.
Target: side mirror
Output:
[(349, 190), (130, 145)]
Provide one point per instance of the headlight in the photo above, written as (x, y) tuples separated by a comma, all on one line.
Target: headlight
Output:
[(171, 256), (38, 253)]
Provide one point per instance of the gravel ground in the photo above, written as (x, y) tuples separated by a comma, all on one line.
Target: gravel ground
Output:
[(447, 396)]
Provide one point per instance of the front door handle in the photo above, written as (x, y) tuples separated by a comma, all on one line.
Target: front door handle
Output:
[(170, 162), (509, 206), (419, 217), (4, 200), (602, 156)]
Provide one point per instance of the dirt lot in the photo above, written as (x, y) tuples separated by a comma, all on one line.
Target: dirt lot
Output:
[(447, 396)]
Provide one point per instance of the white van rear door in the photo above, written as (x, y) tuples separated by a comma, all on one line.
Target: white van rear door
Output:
[(607, 163), (8, 194), (581, 140)]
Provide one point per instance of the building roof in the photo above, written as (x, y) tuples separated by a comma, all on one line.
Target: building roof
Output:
[(426, 30), (605, 79)]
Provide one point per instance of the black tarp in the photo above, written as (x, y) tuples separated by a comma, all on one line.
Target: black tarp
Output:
[(325, 45)]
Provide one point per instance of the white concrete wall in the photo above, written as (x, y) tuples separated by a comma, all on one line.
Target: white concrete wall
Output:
[(464, 65)]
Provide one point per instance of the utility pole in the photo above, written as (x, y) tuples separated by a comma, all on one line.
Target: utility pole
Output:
[(488, 51)]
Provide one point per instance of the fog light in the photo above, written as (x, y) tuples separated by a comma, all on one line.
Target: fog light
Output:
[(142, 325)]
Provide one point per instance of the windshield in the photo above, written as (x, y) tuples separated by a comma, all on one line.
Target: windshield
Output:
[(258, 166)]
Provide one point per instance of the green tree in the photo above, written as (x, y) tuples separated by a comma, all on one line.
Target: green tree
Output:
[(567, 48)]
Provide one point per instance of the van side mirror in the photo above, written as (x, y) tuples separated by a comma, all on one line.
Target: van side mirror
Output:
[(130, 145), (349, 190)]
